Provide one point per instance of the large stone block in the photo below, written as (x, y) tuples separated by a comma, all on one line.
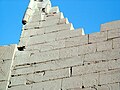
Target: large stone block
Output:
[(114, 64), (68, 52), (35, 57), (32, 25), (107, 45), (3, 85), (49, 85), (110, 77), (72, 82), (68, 34), (52, 75), (89, 69), (110, 25), (98, 37), (113, 34), (113, 54), (58, 15), (20, 87), (89, 88), (76, 41), (23, 70), (32, 32), (114, 86), (7, 52), (60, 27), (59, 64), (45, 56), (88, 48), (116, 43), (37, 18), (40, 39), (5, 67), (97, 56), (90, 79), (54, 10), (47, 46)]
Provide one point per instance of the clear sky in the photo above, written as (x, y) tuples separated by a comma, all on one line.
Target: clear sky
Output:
[(87, 14)]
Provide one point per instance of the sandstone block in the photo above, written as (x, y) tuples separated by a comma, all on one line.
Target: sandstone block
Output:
[(114, 64), (47, 46), (97, 56), (110, 77), (72, 82), (54, 10), (110, 25), (7, 52), (88, 48), (32, 32), (51, 75), (90, 79), (107, 45), (58, 15), (60, 27), (45, 56), (116, 43), (75, 41), (114, 86), (41, 39), (68, 52), (98, 37), (68, 34), (5, 67), (113, 33), (59, 64), (49, 85), (32, 25), (21, 87)]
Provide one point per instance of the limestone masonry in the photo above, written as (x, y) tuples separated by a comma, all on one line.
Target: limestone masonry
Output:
[(51, 55)]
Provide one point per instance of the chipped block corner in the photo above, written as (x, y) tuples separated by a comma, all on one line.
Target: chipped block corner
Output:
[(51, 55)]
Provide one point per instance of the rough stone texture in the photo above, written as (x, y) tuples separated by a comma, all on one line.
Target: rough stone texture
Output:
[(52, 55), (6, 62)]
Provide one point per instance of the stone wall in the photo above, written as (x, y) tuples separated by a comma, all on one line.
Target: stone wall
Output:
[(52, 55), (6, 61)]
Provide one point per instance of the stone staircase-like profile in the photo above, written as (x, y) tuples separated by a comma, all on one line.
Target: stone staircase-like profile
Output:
[(52, 55)]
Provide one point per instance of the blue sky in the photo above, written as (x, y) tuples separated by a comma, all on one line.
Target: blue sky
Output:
[(87, 14)]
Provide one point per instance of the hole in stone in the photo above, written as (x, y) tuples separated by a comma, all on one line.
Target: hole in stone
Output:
[(24, 22), (83, 87), (21, 48), (12, 75), (36, 28), (43, 9), (40, 0), (9, 86), (54, 12)]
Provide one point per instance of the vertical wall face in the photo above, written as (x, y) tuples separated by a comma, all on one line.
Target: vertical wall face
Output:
[(53, 56), (6, 61)]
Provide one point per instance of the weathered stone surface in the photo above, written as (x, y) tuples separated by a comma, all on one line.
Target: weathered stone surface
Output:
[(98, 37), (107, 45), (49, 85), (76, 41), (5, 69), (57, 57), (72, 82), (116, 43), (20, 87), (110, 77), (110, 25), (7, 52), (3, 85)]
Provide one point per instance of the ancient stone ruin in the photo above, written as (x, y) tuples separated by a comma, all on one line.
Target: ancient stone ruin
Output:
[(51, 55)]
